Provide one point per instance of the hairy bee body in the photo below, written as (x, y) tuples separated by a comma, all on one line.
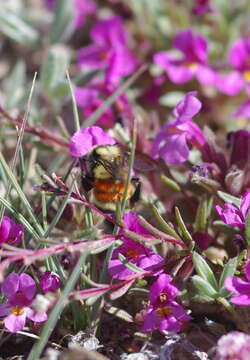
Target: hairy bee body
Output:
[(108, 171)]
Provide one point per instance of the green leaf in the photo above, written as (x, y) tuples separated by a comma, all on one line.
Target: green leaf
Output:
[(171, 183), (186, 234), (229, 198), (164, 225), (53, 69), (15, 28), (204, 287), (204, 270), (228, 270), (62, 26), (247, 228), (201, 216), (15, 85)]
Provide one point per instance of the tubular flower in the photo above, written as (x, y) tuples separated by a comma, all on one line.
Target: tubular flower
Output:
[(134, 252), (233, 216), (171, 143), (10, 232), (20, 291), (109, 50), (193, 61), (239, 58), (163, 313)]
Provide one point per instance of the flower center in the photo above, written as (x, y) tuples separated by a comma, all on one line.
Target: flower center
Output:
[(131, 254), (17, 310), (163, 297), (191, 65), (103, 55), (246, 75), (10, 241), (163, 311)]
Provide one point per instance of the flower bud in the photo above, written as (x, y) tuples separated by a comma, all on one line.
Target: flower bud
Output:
[(50, 282)]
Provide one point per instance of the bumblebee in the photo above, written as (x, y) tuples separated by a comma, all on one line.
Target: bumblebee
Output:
[(106, 174)]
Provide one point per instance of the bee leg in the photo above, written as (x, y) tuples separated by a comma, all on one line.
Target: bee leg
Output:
[(136, 195)]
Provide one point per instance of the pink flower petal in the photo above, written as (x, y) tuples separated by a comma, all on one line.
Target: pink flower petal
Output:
[(15, 323), (10, 285), (27, 286), (231, 83)]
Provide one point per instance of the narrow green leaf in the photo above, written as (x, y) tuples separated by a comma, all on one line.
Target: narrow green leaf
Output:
[(228, 270), (75, 110), (201, 216), (229, 198), (204, 270), (170, 183), (15, 85), (186, 234), (53, 68), (62, 26), (247, 228), (17, 29), (204, 287), (58, 215), (164, 225)]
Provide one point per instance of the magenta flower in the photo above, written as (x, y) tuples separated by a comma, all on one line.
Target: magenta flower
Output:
[(192, 63), (49, 282), (171, 143), (239, 287), (85, 139), (163, 313), (202, 6), (233, 346), (233, 216), (92, 97), (109, 50), (10, 232), (20, 291), (239, 58), (135, 252)]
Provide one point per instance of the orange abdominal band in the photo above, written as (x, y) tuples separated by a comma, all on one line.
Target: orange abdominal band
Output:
[(109, 190)]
